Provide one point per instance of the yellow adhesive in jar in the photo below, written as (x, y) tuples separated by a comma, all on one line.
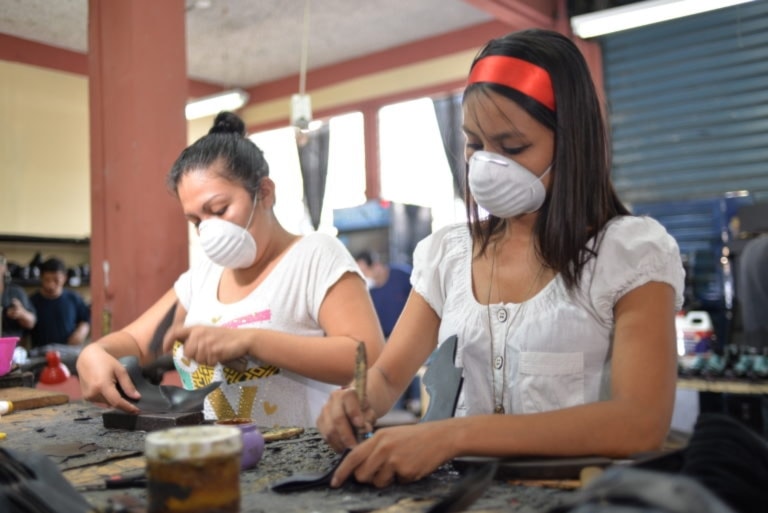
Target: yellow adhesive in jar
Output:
[(194, 469)]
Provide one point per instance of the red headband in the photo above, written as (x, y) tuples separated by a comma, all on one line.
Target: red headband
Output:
[(517, 74)]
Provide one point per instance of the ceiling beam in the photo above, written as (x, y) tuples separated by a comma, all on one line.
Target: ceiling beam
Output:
[(403, 55), (24, 51), (520, 14)]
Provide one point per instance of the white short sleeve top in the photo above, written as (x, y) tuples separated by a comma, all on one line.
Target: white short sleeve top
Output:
[(552, 351), (288, 300)]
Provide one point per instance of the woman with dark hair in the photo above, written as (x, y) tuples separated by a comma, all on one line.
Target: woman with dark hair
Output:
[(562, 303), (276, 317)]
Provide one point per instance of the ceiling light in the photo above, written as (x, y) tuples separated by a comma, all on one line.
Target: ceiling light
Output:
[(301, 105), (642, 13), (215, 103)]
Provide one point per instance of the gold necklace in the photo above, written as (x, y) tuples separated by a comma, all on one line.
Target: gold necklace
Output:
[(498, 362)]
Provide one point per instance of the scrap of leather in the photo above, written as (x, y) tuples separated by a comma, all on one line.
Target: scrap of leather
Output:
[(307, 480), (443, 382), (471, 487), (164, 398), (30, 481)]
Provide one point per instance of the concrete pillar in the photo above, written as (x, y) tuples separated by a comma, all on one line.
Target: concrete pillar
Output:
[(138, 88)]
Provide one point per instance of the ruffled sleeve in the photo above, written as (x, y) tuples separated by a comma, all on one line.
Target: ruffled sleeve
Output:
[(634, 251), (324, 261), (189, 283), (437, 264), (183, 289)]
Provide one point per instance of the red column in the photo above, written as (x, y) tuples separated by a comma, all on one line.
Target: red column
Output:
[(372, 143), (137, 88)]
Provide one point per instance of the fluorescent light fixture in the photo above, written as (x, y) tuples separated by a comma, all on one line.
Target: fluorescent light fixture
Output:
[(215, 103), (642, 13)]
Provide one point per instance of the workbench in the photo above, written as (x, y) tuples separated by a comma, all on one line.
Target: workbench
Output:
[(74, 437), (725, 386)]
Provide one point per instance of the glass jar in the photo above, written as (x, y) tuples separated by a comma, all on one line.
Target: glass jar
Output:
[(194, 469)]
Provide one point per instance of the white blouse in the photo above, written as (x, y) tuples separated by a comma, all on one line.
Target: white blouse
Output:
[(552, 351)]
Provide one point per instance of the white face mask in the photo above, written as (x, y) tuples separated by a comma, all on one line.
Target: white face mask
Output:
[(228, 244), (503, 187)]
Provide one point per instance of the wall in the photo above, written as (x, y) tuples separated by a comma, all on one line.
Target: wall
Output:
[(423, 75), (44, 137), (44, 152)]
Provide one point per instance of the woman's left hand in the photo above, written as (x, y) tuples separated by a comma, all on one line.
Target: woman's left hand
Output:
[(402, 453), (210, 345)]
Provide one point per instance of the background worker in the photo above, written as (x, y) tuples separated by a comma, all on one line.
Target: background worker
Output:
[(389, 286), (17, 310), (63, 317)]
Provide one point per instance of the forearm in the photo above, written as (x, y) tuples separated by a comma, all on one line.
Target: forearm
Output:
[(330, 359), (119, 344), (412, 341), (26, 319), (606, 428), (78, 336), (381, 392)]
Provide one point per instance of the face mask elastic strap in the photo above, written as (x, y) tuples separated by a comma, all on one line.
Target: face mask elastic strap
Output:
[(250, 217)]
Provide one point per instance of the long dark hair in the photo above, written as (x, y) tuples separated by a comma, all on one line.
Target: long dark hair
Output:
[(582, 198), (226, 141)]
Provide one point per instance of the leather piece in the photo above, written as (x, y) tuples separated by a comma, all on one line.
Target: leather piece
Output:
[(164, 398), (30, 481), (443, 382), (472, 486), (307, 480)]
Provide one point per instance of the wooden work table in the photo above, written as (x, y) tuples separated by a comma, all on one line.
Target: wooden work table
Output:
[(73, 436), (722, 385)]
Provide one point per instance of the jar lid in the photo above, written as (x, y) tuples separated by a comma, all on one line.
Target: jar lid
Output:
[(192, 442)]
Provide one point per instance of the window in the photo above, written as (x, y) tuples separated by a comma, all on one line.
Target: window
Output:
[(279, 147), (345, 183), (414, 168)]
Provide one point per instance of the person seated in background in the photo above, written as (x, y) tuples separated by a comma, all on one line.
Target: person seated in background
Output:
[(18, 311), (63, 317), (275, 316), (753, 291), (389, 286)]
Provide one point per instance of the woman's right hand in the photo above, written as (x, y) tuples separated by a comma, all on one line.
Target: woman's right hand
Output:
[(100, 373), (343, 417)]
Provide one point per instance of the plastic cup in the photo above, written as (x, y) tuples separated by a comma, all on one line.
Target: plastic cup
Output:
[(7, 345), (253, 441)]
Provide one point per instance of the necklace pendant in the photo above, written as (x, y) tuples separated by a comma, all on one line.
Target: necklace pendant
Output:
[(499, 409)]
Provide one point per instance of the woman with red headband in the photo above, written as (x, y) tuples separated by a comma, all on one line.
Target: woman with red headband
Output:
[(562, 302)]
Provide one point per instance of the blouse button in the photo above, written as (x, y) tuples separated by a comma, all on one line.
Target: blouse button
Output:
[(502, 315), (498, 362)]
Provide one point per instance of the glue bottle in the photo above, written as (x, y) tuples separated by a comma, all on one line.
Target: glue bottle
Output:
[(194, 469)]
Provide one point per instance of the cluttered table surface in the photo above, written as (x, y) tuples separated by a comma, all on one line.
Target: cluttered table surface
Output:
[(106, 467)]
